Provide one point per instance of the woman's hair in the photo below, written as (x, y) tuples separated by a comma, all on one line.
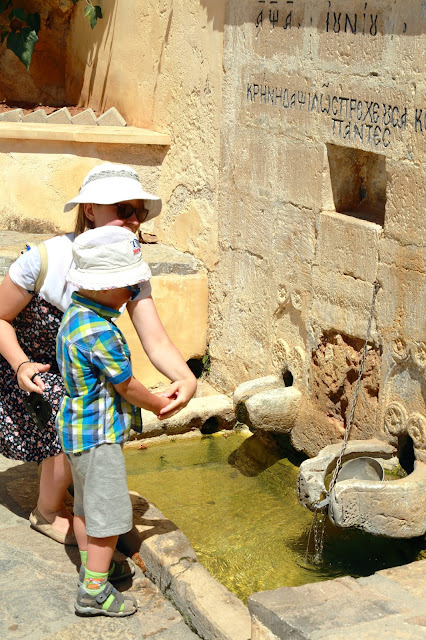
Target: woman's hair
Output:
[(82, 222)]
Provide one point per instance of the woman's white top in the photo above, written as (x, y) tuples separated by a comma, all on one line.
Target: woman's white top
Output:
[(55, 289)]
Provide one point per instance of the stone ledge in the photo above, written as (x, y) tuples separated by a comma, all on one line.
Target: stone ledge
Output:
[(162, 260), (341, 608), (82, 134), (210, 608)]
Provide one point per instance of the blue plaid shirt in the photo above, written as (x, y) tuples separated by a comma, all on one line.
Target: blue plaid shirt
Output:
[(92, 355)]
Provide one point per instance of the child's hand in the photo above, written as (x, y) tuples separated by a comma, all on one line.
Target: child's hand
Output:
[(180, 393), (164, 402)]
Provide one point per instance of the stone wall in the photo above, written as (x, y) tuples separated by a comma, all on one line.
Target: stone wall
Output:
[(295, 174), (322, 192), (160, 64)]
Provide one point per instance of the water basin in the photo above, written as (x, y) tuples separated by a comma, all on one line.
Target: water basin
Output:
[(234, 497)]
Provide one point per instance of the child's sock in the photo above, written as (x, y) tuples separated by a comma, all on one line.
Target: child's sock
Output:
[(94, 582), (83, 557)]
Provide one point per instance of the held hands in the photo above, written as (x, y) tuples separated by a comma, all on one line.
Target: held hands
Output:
[(160, 403), (179, 393), (28, 378)]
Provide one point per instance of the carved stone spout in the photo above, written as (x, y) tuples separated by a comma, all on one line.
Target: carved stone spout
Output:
[(394, 509)]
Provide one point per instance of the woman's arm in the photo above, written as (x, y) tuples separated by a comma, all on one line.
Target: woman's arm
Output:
[(12, 300), (163, 354)]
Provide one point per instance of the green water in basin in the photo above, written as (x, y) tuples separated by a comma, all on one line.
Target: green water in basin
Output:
[(235, 499)]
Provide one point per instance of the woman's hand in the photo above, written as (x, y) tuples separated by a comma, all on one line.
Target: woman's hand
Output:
[(180, 393), (27, 377)]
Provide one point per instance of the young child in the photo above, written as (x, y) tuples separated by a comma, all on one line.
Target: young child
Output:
[(100, 406)]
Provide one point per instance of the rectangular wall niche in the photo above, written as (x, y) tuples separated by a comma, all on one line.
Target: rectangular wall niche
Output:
[(358, 182)]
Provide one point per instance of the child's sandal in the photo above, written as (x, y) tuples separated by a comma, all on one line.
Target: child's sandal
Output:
[(109, 602)]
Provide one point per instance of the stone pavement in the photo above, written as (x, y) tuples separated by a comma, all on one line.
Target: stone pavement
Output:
[(388, 605), (38, 580)]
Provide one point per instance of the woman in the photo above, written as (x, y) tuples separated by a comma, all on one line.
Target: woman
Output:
[(110, 195)]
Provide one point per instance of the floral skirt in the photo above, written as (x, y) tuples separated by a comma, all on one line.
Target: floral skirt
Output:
[(20, 439)]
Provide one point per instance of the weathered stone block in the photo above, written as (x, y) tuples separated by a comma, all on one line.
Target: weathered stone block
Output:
[(273, 409), (246, 389), (61, 116), (302, 612), (86, 117), (398, 303), (215, 612), (405, 221), (212, 413), (342, 303), (348, 246), (35, 116), (14, 115), (260, 632), (111, 118), (312, 473), (394, 509)]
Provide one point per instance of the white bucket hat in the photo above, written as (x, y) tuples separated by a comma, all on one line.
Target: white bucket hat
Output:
[(108, 257), (109, 183)]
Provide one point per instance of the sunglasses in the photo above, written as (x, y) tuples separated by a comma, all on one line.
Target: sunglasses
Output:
[(125, 211)]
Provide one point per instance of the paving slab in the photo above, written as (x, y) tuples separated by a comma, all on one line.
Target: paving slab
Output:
[(354, 609), (38, 580)]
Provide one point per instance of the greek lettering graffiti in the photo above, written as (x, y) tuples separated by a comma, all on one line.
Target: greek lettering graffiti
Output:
[(358, 120), (335, 19)]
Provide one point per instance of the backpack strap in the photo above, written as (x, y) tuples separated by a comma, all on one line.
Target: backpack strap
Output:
[(43, 267)]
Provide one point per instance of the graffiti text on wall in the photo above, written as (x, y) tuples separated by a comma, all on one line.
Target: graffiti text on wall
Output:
[(359, 121), (284, 14)]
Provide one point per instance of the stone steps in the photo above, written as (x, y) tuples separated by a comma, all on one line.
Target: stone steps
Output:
[(163, 260), (11, 245)]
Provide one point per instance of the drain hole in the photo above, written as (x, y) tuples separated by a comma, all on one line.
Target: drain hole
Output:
[(196, 365), (288, 378), (406, 453), (211, 425)]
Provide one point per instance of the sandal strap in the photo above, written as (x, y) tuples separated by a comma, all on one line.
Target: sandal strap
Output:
[(104, 594)]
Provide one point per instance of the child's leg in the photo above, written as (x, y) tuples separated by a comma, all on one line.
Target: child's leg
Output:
[(99, 553), (107, 509), (81, 536)]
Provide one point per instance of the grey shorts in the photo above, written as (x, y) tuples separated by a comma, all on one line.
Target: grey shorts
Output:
[(101, 495)]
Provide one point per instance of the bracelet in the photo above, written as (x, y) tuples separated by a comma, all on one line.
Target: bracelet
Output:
[(25, 361)]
